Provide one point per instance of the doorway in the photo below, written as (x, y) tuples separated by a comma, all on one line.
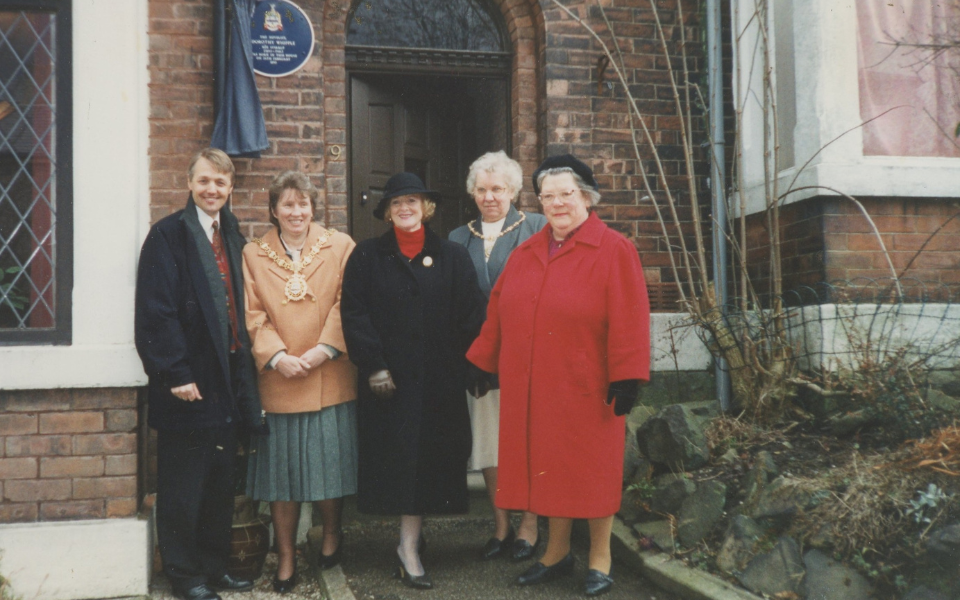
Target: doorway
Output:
[(431, 125)]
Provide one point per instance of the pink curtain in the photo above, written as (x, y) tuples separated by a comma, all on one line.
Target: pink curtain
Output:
[(920, 80)]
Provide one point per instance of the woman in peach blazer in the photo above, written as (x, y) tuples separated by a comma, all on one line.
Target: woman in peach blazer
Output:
[(307, 385)]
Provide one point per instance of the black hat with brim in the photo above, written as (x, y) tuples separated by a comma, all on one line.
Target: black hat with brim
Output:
[(569, 161), (402, 184)]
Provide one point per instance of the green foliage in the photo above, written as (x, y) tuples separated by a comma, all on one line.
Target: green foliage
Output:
[(8, 291), (643, 489), (926, 499)]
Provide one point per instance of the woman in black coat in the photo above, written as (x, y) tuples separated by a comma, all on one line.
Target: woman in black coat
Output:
[(411, 307)]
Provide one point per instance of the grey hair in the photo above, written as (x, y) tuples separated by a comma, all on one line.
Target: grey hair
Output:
[(497, 162), (592, 195)]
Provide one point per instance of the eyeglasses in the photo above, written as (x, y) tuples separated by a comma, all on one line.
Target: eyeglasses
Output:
[(496, 191), (563, 197)]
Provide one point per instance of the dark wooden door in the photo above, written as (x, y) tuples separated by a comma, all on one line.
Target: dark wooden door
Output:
[(420, 124), (376, 153)]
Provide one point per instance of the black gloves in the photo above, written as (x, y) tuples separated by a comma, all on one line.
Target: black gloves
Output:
[(479, 382), (623, 394)]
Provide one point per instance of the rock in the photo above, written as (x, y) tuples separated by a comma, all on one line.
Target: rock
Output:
[(842, 424), (783, 497), (938, 399), (775, 572), (671, 491), (638, 416), (740, 544), (661, 532), (946, 380), (829, 580), (922, 592), (674, 438), (755, 480), (705, 411), (701, 511), (822, 536), (630, 507), (631, 458), (764, 461), (730, 457), (943, 546)]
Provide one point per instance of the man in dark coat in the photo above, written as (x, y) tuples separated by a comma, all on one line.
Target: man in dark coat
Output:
[(195, 350)]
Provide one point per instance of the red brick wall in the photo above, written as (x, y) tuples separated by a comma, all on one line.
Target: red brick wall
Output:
[(852, 248), (595, 126), (555, 108), (68, 454), (827, 239)]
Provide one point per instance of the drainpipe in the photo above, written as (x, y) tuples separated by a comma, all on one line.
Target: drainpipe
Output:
[(219, 54), (717, 180)]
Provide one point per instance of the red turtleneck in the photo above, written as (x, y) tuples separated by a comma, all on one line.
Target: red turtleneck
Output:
[(410, 242)]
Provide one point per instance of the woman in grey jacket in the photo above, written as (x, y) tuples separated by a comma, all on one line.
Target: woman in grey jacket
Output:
[(494, 180)]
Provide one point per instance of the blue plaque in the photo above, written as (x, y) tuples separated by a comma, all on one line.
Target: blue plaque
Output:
[(282, 38)]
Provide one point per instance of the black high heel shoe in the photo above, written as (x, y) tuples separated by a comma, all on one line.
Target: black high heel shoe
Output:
[(328, 561), (417, 582), (282, 586)]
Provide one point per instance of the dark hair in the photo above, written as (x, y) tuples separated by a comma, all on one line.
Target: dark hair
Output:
[(291, 180)]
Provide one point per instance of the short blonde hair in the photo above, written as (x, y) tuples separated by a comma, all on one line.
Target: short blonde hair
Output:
[(429, 208), (497, 162), (216, 157)]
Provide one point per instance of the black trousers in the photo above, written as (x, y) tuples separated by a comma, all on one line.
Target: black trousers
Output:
[(195, 489)]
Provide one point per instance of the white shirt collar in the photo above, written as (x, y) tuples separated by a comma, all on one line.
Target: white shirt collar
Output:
[(491, 228), (206, 221)]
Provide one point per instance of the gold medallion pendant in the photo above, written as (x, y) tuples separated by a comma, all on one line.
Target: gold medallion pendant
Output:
[(296, 288)]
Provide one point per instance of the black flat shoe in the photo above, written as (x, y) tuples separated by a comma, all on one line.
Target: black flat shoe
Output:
[(540, 573), (597, 583), (523, 550), (227, 583), (494, 547), (328, 561), (282, 586), (417, 582), (197, 592)]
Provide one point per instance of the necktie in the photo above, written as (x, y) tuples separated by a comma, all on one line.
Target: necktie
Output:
[(221, 255)]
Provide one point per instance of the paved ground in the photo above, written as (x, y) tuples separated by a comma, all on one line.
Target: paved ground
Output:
[(451, 561), (453, 544)]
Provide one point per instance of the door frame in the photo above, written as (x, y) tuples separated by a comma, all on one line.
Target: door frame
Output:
[(403, 60)]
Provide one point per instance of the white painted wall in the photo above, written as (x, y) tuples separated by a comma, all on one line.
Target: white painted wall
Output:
[(111, 204), (79, 559), (828, 114)]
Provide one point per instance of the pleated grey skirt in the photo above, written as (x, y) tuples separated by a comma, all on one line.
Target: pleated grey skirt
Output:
[(307, 456)]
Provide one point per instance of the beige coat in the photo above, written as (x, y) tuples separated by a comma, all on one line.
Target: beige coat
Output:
[(299, 325)]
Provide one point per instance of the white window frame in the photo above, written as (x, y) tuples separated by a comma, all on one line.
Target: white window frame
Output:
[(828, 116), (110, 205)]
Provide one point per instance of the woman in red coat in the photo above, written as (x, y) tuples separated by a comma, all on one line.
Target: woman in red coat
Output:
[(568, 332)]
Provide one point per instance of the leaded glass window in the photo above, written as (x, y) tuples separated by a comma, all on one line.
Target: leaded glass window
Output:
[(34, 185), (435, 24)]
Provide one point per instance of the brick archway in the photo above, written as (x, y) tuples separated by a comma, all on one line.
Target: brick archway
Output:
[(525, 26)]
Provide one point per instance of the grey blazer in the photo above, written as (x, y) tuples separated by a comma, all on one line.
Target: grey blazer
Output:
[(489, 271)]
